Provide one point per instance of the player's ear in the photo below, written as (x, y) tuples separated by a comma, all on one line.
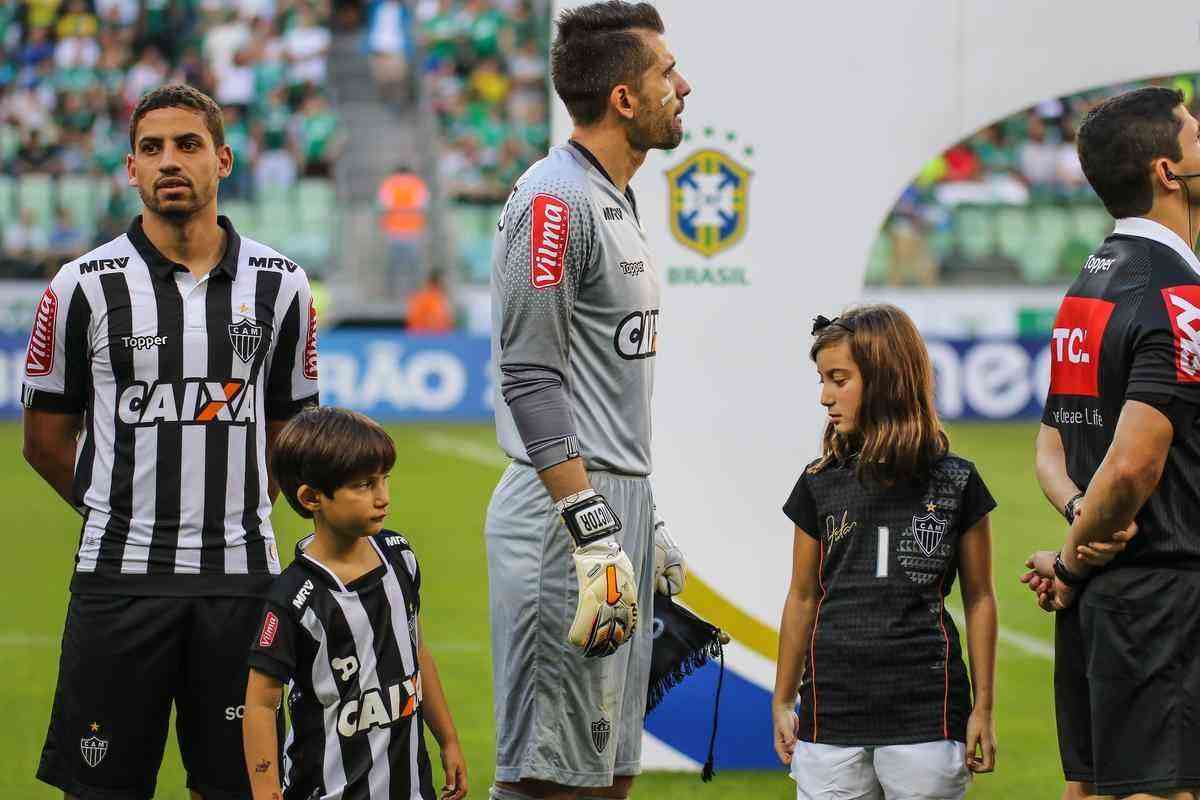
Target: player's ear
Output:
[(224, 161), (1164, 175), (622, 99), (309, 497), (129, 171)]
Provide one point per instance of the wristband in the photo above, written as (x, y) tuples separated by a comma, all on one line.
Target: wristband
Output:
[(588, 516), (1065, 575), (1071, 509)]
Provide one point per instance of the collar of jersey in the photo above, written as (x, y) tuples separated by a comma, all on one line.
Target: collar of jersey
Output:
[(595, 162), (165, 268), (1155, 231), (325, 573)]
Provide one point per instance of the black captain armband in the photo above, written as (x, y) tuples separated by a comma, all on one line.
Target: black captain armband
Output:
[(588, 516)]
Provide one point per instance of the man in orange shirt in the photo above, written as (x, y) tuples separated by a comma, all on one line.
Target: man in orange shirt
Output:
[(429, 309)]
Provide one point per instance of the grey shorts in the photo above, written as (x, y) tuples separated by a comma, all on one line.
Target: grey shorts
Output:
[(561, 717)]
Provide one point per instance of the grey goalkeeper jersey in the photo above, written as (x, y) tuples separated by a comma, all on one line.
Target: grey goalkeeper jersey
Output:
[(575, 299)]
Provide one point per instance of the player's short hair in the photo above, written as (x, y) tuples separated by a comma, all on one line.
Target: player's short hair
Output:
[(898, 435), (597, 48), (1120, 137), (179, 95), (328, 448)]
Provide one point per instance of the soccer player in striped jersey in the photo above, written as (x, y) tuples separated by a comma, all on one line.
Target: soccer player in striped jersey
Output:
[(341, 630), (885, 520), (160, 367)]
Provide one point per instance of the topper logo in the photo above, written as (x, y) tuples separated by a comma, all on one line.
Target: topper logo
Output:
[(39, 359), (1183, 307), (1094, 265), (548, 240), (1078, 335)]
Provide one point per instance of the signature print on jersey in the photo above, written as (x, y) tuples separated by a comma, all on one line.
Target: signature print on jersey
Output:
[(835, 531)]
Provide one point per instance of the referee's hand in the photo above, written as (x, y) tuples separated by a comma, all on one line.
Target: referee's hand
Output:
[(786, 723)]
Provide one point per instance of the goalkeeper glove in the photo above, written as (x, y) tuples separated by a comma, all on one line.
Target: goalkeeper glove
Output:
[(606, 612), (670, 568)]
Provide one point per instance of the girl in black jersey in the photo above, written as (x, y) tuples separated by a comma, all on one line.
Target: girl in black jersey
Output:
[(886, 519)]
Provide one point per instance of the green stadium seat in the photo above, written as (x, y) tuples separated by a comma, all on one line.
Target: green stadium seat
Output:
[(1013, 231), (80, 195), (1092, 223), (241, 214), (36, 193), (975, 231), (8, 198), (1050, 234), (275, 209), (316, 201)]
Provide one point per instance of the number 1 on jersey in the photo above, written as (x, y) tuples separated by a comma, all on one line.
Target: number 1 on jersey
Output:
[(881, 555)]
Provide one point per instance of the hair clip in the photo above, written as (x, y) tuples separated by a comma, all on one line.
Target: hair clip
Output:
[(821, 322)]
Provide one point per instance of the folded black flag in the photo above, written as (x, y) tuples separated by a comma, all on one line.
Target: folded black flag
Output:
[(682, 644)]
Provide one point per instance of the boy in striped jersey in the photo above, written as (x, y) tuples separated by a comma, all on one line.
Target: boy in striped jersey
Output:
[(340, 628)]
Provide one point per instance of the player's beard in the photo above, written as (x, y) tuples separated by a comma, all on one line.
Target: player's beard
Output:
[(176, 210), (653, 129)]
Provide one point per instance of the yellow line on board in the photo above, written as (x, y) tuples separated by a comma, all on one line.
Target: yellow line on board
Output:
[(708, 603)]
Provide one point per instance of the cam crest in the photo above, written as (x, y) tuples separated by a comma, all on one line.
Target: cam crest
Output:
[(928, 530), (707, 201)]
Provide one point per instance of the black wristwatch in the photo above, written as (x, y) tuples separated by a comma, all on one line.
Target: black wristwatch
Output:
[(1065, 575), (1071, 509)]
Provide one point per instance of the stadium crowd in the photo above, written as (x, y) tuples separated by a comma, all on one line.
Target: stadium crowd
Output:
[(485, 71), (72, 71)]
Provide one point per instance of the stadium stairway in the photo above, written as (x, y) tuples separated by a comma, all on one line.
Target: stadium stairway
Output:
[(379, 136)]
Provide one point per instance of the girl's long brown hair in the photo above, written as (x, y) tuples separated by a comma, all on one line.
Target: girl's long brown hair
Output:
[(898, 435)]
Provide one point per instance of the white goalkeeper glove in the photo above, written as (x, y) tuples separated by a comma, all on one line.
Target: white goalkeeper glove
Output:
[(606, 613), (670, 567)]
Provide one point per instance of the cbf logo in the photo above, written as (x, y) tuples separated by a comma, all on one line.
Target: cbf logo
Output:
[(928, 530), (707, 195)]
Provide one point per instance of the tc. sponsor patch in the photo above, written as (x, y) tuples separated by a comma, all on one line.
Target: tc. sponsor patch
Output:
[(1075, 346)]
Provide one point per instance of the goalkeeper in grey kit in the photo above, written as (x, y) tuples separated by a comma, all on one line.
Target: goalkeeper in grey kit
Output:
[(575, 301)]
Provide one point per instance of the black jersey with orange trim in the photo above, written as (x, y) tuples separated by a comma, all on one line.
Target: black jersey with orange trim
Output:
[(884, 663), (1129, 329)]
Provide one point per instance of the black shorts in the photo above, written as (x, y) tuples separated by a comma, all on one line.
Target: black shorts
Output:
[(1072, 701), (1139, 627), (124, 660)]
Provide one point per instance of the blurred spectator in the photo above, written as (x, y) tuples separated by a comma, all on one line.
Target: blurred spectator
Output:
[(428, 309), (35, 156), (239, 184), (388, 46), (276, 163), (403, 200), (320, 139), (307, 45), (67, 240), (1038, 158), (24, 240)]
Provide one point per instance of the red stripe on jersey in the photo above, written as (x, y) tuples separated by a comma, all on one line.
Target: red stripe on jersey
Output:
[(1183, 308), (945, 661), (39, 358), (1075, 345), (548, 240), (812, 644)]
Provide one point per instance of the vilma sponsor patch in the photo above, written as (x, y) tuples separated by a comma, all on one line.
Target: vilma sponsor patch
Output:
[(548, 240), (39, 359)]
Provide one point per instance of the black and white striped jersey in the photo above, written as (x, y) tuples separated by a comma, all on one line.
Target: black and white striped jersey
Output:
[(348, 654), (176, 379)]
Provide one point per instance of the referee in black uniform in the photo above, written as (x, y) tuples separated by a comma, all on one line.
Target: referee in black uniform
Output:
[(1120, 426), (160, 368)]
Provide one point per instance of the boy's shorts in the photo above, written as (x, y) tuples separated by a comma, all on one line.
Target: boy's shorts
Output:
[(561, 717), (124, 660)]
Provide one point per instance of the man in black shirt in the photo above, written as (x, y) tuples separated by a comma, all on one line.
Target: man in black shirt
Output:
[(1119, 426)]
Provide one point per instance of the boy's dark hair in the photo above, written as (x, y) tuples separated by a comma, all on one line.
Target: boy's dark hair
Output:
[(598, 48), (178, 95), (1120, 137), (328, 448)]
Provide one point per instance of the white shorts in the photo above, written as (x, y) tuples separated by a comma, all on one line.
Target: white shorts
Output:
[(925, 771)]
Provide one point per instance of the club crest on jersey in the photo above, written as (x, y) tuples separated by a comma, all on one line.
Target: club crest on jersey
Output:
[(93, 748), (707, 195), (601, 731), (548, 240), (246, 337), (191, 402), (928, 530)]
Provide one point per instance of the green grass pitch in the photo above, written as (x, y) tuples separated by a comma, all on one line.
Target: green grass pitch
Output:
[(439, 494)]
